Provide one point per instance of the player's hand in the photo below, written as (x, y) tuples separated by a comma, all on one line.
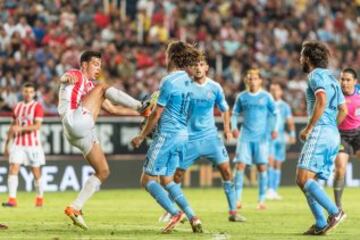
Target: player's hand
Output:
[(274, 135), (228, 136), (305, 133), (235, 133), (67, 79), (136, 141), (6, 152), (16, 129), (292, 140)]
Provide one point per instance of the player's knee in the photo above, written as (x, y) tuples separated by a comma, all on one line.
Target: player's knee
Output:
[(178, 176), (300, 181), (226, 174), (103, 174)]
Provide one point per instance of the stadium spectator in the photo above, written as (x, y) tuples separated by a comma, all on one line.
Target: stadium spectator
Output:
[(39, 38)]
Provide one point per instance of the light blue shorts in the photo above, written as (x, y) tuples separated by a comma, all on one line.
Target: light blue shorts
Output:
[(165, 153), (277, 150), (252, 152), (211, 148), (319, 151)]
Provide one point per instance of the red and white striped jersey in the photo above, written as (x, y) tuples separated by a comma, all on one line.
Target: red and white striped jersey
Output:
[(26, 114), (70, 95)]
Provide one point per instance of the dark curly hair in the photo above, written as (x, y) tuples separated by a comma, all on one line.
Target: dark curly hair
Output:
[(181, 54), (317, 53)]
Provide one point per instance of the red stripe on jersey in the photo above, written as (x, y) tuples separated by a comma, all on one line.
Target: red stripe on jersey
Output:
[(75, 90), (17, 122), (23, 139), (30, 114)]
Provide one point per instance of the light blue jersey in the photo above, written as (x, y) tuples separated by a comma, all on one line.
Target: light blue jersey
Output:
[(203, 139), (175, 93), (258, 111), (322, 145), (168, 146), (284, 112), (321, 79), (204, 98), (277, 146)]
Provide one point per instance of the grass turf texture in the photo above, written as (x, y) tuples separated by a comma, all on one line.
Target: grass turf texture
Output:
[(133, 214)]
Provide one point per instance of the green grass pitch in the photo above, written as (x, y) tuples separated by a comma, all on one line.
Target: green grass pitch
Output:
[(133, 214)]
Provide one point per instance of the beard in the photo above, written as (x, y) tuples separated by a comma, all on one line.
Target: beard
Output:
[(306, 67)]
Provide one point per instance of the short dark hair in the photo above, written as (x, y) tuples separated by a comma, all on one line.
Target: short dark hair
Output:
[(277, 83), (182, 54), (351, 71), (88, 54), (29, 85), (317, 53)]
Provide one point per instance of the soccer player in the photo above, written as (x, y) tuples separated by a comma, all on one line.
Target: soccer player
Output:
[(277, 152), (203, 138), (24, 133), (259, 112), (321, 136), (80, 102), (349, 128), (167, 148)]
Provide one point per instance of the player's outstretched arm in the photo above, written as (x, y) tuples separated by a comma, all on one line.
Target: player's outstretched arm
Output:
[(118, 110), (149, 126), (291, 127), (67, 78)]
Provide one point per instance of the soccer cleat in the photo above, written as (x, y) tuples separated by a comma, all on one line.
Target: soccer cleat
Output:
[(270, 194), (76, 217), (3, 226), (334, 220), (277, 196), (148, 103), (10, 203), (39, 202), (165, 217), (196, 225), (174, 221), (261, 206), (313, 230), (236, 218)]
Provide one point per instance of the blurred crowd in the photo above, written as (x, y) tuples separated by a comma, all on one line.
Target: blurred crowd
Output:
[(40, 40)]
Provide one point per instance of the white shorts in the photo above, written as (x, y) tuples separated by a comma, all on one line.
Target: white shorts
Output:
[(28, 156), (79, 129)]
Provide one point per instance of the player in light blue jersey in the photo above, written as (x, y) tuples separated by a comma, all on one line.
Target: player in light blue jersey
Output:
[(203, 135), (277, 147), (324, 98), (258, 110), (168, 146)]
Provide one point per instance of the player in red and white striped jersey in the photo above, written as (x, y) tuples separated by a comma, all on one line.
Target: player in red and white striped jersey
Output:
[(80, 102), (24, 133)]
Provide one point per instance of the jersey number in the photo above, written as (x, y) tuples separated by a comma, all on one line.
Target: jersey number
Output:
[(333, 103)]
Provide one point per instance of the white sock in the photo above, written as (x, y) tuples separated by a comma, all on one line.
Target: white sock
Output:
[(13, 182), (39, 188), (117, 96), (90, 187)]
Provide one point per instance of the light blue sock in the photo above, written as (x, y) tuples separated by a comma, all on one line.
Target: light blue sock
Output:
[(277, 179), (239, 183), (270, 177), (316, 211), (229, 189), (262, 180), (160, 195), (178, 196), (312, 187)]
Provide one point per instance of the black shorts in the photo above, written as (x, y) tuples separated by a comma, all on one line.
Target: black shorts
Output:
[(350, 141)]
